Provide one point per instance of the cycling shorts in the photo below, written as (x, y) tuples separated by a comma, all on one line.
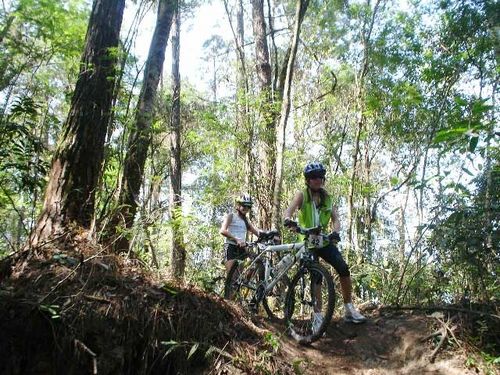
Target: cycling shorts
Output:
[(331, 255), (232, 251)]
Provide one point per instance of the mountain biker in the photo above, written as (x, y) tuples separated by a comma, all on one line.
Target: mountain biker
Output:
[(234, 228), (315, 208)]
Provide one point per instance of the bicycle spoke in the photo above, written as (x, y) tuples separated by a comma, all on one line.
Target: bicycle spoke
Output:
[(310, 302)]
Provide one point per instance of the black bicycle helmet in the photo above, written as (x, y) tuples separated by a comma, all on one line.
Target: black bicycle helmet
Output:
[(314, 169)]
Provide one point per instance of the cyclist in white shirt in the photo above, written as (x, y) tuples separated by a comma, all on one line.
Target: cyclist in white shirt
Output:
[(234, 228)]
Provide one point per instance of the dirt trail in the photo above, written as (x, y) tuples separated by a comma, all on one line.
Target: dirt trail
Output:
[(388, 344), (68, 311)]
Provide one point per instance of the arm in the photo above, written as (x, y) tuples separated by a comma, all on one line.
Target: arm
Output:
[(252, 229), (335, 222), (294, 205), (335, 219)]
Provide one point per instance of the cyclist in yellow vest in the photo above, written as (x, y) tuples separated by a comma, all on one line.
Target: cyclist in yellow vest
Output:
[(315, 207)]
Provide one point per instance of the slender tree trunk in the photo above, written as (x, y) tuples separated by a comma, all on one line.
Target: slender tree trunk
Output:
[(300, 12), (367, 202), (274, 48), (140, 137), (242, 99), (242, 89), (178, 261), (352, 211), (267, 116), (70, 193), (402, 227)]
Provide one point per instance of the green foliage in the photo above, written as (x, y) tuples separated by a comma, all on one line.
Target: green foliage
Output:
[(43, 35), (53, 310), (23, 165), (465, 242), (21, 155), (41, 43), (272, 341), (469, 121)]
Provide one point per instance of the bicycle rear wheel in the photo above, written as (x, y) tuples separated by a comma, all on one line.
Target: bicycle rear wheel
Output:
[(311, 292), (241, 285)]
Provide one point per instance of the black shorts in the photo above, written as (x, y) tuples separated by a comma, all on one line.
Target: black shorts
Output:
[(232, 251), (331, 254)]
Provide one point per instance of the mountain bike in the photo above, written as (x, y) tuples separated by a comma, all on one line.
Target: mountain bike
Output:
[(246, 279), (310, 292)]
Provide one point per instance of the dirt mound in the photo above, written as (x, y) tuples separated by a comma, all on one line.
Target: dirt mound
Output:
[(74, 309)]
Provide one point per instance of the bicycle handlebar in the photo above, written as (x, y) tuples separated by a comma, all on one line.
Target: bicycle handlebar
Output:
[(293, 225)]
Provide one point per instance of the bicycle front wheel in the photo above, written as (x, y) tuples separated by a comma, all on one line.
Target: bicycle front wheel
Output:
[(309, 303), (274, 301), (242, 284)]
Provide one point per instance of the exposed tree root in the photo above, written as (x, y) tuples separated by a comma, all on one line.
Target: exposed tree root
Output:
[(445, 331)]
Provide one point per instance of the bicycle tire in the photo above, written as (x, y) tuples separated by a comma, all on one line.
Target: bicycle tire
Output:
[(274, 301), (300, 302), (242, 288)]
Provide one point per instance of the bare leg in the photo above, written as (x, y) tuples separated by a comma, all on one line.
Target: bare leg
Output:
[(229, 265), (346, 286)]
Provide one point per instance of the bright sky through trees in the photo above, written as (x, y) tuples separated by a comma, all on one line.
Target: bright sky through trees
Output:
[(207, 20)]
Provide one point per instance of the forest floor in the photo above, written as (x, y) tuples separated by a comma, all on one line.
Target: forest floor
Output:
[(388, 343), (72, 308)]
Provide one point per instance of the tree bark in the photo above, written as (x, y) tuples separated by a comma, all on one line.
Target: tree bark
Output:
[(140, 137), (267, 115), (70, 193), (178, 259), (300, 12), (242, 99)]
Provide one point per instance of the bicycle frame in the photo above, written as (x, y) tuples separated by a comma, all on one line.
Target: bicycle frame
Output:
[(301, 250)]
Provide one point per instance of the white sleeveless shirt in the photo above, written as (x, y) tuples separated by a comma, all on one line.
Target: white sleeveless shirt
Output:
[(238, 228)]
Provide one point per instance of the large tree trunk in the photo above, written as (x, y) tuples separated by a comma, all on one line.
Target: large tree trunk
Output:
[(70, 193), (267, 115), (178, 260), (140, 138), (285, 111)]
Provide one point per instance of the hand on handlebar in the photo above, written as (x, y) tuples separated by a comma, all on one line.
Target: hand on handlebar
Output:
[(288, 223), (267, 235), (334, 237)]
